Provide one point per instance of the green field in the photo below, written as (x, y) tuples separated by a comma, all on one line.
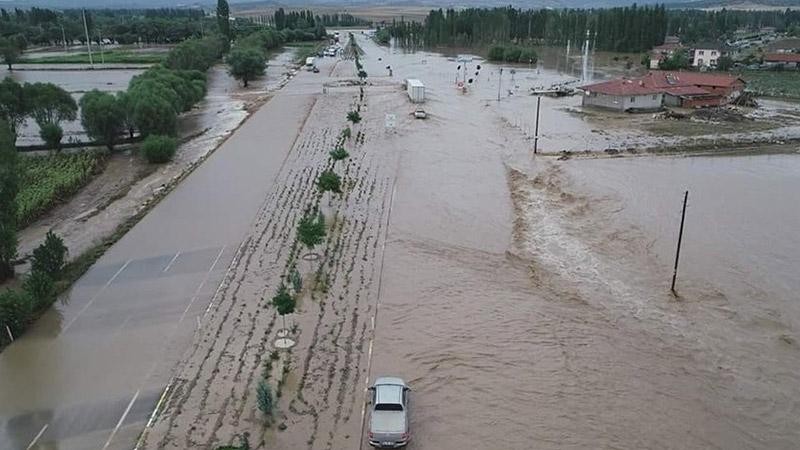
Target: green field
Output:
[(771, 83), (48, 180), (112, 56)]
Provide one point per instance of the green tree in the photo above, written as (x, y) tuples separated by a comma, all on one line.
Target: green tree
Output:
[(102, 117), (13, 106), (41, 289), (346, 133), (159, 149), (10, 49), (51, 134), (283, 302), (154, 115), (127, 103), (50, 256), (223, 18), (48, 103), (246, 63), (679, 59), (311, 230), (338, 154), (354, 116), (329, 181), (724, 63), (9, 187), (16, 311)]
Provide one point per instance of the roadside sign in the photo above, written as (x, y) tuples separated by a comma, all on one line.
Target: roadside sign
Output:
[(390, 120)]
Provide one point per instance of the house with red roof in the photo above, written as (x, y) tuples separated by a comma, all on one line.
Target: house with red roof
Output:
[(663, 87), (785, 60), (623, 94)]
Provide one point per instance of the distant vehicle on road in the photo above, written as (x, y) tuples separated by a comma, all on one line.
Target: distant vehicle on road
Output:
[(388, 423), (311, 63), (416, 90)]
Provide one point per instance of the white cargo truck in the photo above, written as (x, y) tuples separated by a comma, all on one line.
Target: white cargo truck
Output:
[(310, 63), (416, 90)]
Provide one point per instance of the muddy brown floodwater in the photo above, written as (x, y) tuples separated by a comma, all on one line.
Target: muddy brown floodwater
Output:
[(524, 299)]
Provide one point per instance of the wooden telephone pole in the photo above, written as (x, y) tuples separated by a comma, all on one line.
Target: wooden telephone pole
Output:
[(680, 238)]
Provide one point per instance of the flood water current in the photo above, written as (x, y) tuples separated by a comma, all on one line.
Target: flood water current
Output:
[(527, 299)]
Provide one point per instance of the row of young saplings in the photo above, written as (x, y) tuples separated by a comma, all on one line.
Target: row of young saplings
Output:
[(311, 231)]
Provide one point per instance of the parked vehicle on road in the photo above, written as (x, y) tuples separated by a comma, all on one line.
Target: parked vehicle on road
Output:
[(388, 423)]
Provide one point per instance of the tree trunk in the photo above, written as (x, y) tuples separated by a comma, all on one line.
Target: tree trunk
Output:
[(245, 82), (6, 271)]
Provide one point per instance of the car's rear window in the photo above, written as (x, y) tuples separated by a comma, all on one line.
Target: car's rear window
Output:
[(388, 407)]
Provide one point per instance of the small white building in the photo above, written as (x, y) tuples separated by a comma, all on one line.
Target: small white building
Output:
[(706, 55)]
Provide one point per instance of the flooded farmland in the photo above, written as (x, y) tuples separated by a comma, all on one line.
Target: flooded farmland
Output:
[(524, 298)]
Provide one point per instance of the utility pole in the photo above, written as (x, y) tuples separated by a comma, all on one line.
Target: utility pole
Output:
[(88, 42), (680, 238), (536, 132), (102, 54), (499, 83)]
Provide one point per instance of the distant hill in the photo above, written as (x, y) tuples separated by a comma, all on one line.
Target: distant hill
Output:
[(63, 4)]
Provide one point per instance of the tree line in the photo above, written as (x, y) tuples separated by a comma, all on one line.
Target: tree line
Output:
[(46, 27), (620, 29), (623, 29)]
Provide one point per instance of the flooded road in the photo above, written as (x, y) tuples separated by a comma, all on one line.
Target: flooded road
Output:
[(90, 371), (527, 300)]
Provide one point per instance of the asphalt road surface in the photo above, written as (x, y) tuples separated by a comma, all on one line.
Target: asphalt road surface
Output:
[(89, 373)]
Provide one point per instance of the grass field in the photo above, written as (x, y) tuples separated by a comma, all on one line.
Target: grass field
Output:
[(771, 83), (306, 49), (111, 56), (48, 180)]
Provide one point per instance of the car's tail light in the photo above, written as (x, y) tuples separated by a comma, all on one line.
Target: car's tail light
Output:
[(370, 434), (406, 435)]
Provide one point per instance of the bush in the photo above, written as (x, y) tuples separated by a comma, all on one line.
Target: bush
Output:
[(159, 149), (41, 288), (528, 55), (50, 257), (511, 54), (497, 53), (51, 134), (154, 115), (16, 311), (102, 116), (354, 116)]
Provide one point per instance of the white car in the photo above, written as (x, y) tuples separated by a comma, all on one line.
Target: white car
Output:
[(388, 422)]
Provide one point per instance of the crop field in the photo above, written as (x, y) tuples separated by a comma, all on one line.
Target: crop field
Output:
[(772, 83), (48, 180), (112, 56)]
